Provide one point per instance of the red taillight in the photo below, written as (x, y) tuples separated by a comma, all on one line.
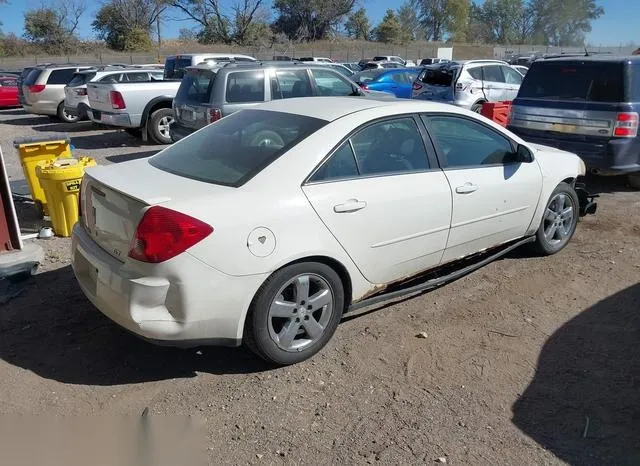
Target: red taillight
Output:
[(117, 101), (163, 233), (363, 86), (37, 88), (214, 115), (81, 91), (626, 125), (416, 86)]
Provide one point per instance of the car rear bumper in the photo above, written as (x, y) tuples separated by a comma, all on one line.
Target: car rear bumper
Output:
[(604, 156), (120, 120), (178, 131), (37, 109), (174, 311)]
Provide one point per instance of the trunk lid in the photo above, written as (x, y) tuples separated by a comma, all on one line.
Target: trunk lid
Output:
[(438, 83), (99, 96), (115, 197)]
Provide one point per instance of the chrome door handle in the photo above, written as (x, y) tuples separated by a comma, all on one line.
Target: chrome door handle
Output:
[(352, 205), (467, 188)]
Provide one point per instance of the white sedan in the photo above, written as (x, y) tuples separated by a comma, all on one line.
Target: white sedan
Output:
[(266, 226)]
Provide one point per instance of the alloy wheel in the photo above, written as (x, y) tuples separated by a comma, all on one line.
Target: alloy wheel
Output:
[(558, 219)]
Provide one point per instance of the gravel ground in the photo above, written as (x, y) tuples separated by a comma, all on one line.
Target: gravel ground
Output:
[(526, 361)]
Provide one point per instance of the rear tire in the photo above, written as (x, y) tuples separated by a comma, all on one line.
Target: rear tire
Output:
[(559, 221), (158, 125), (66, 117), (477, 107), (295, 313)]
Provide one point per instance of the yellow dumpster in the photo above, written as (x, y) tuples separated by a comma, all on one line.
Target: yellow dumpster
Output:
[(34, 150), (61, 180)]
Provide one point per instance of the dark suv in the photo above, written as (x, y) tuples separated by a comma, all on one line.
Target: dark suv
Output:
[(209, 92), (587, 105)]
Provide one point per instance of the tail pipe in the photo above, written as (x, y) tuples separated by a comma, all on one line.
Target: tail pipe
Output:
[(588, 205)]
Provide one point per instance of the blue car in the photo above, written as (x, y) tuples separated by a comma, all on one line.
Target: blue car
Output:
[(396, 81)]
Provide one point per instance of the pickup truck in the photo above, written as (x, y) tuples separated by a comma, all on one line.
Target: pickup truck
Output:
[(141, 108)]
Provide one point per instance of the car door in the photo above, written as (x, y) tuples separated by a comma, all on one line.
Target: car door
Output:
[(384, 199), (495, 89), (512, 80), (494, 195)]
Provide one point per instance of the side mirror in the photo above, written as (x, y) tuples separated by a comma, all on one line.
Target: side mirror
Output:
[(523, 154)]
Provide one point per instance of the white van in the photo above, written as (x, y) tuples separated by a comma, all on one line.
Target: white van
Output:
[(174, 66)]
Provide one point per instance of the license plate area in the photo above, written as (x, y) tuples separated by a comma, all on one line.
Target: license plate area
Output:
[(86, 273)]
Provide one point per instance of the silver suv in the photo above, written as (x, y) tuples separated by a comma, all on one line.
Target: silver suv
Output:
[(468, 84), (208, 93), (43, 90), (76, 100)]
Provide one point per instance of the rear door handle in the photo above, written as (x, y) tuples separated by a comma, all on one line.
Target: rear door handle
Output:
[(467, 188), (352, 205)]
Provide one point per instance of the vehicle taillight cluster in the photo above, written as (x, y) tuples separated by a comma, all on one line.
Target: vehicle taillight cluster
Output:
[(626, 125), (37, 88), (416, 86), (214, 115), (81, 91), (164, 233), (117, 101)]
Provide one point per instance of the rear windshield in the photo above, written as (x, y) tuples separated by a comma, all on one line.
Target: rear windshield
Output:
[(578, 81), (6, 81), (440, 76), (634, 85), (367, 76), (25, 73), (196, 86), (32, 77), (174, 67), (233, 150), (379, 58), (79, 79)]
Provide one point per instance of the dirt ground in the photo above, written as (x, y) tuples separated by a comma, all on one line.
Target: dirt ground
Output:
[(526, 361)]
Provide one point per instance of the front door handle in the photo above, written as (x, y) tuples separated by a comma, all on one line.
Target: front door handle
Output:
[(467, 188), (352, 205)]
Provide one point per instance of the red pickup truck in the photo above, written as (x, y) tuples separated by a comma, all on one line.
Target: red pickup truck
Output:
[(9, 91)]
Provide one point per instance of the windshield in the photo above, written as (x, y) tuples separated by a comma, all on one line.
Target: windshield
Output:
[(233, 150), (196, 86), (174, 67), (579, 81)]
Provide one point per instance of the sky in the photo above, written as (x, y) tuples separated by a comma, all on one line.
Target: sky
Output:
[(618, 26)]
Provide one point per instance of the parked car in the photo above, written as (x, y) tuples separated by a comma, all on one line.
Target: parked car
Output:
[(393, 58), (343, 70), (377, 65), (468, 84), (395, 81), (210, 93), (520, 69), (76, 100), (141, 108), (587, 105), (316, 59), (43, 90), (433, 61), (174, 66), (9, 91), (267, 226)]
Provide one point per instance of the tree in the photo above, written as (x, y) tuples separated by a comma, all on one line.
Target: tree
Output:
[(389, 28), (187, 35), (237, 25), (54, 28), (501, 19), (357, 25), (310, 19), (564, 22), (127, 24), (410, 27), (440, 17)]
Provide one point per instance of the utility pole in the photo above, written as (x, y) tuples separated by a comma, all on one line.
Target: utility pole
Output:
[(159, 38)]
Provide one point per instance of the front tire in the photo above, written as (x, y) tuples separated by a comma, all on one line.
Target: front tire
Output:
[(559, 221), (159, 122), (295, 313), (66, 117), (477, 107)]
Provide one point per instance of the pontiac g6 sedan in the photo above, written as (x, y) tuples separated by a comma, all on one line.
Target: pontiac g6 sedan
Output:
[(267, 225)]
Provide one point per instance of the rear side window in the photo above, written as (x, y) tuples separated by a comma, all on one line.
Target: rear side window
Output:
[(61, 76), (136, 77), (475, 73), (111, 78), (493, 73), (246, 86), (79, 79), (32, 77), (196, 86), (236, 148), (290, 83), (576, 81), (634, 83), (329, 83)]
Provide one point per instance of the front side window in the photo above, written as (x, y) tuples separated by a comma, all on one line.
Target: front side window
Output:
[(390, 146), (466, 143), (236, 148), (330, 83), (399, 78), (245, 86)]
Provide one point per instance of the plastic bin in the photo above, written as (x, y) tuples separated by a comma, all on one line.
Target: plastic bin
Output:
[(40, 149), (497, 111), (61, 181)]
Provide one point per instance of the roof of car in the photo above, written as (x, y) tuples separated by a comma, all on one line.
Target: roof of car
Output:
[(595, 58), (332, 108)]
